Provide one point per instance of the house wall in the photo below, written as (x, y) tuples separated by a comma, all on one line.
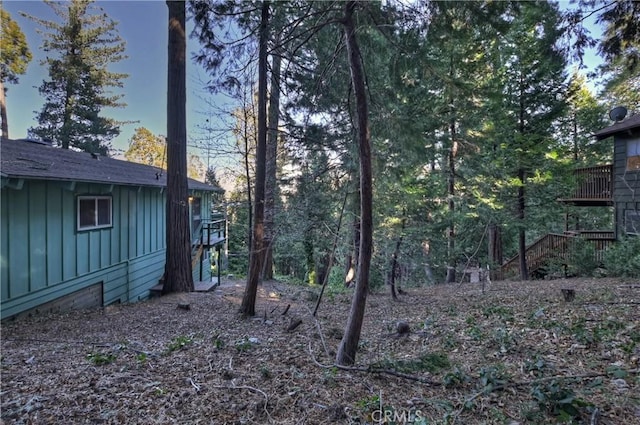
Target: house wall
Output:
[(627, 183), (43, 257)]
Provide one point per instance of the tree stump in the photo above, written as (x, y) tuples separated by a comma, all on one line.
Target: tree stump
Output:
[(568, 294), (402, 328)]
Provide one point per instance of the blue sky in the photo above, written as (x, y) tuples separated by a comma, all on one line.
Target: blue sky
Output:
[(143, 25)]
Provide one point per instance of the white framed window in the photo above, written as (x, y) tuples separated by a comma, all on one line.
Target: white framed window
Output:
[(94, 212), (633, 155)]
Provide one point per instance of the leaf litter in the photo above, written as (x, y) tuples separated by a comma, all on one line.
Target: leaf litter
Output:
[(517, 353)]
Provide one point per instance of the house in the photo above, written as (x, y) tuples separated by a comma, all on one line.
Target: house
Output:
[(625, 174), (81, 230), (614, 186)]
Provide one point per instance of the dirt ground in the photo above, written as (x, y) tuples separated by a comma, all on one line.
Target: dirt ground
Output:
[(515, 353)]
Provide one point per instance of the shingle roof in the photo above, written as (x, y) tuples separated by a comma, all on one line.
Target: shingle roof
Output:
[(35, 160), (629, 124)]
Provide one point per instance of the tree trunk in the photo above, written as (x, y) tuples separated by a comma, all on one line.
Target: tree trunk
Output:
[(333, 254), (3, 111), (451, 236), (307, 243), (271, 166), (247, 170), (426, 251), (178, 277), (348, 346), (495, 250), (522, 247), (248, 307), (391, 276), (352, 259)]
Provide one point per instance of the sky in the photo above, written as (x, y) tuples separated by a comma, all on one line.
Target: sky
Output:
[(143, 25)]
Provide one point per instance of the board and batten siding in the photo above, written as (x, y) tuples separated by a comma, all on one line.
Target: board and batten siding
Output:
[(627, 183), (44, 257)]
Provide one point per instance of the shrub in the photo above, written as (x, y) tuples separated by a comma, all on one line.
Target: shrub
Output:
[(623, 258), (582, 258)]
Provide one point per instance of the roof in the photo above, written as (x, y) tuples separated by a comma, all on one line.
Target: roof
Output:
[(630, 123), (37, 160)]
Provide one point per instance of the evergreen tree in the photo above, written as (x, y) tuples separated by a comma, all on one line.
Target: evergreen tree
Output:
[(14, 58), (531, 73), (349, 344), (177, 276), (147, 148), (79, 51)]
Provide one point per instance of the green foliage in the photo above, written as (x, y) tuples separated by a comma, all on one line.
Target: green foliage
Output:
[(265, 372), (218, 342), (142, 357), (504, 313), (329, 376), (558, 400), (584, 334), (243, 345), (147, 148), (536, 365), (14, 50), (101, 359), (623, 258), (238, 238), (456, 378), (79, 50), (179, 343), (503, 339), (475, 332), (582, 257), (430, 362), (491, 378), (368, 404), (617, 372)]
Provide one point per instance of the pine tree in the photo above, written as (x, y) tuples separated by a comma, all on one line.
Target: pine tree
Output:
[(14, 58), (79, 50)]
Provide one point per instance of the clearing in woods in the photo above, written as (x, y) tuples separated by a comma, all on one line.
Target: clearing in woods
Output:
[(516, 354)]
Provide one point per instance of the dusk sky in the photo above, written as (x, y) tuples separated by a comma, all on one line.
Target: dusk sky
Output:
[(143, 25)]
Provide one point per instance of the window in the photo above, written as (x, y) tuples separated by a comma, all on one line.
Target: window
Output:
[(633, 155), (94, 212)]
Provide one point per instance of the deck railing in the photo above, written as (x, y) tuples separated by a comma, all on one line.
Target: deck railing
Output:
[(594, 182), (554, 246), (213, 232)]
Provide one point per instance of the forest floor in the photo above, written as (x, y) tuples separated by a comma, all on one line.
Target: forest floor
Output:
[(515, 353)]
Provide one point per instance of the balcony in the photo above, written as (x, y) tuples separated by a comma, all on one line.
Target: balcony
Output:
[(594, 187)]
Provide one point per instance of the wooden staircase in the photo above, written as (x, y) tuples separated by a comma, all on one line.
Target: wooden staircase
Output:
[(556, 247)]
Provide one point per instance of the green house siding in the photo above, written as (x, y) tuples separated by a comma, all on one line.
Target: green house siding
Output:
[(43, 256)]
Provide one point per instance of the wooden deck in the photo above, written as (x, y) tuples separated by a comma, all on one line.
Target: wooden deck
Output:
[(199, 287), (594, 187)]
